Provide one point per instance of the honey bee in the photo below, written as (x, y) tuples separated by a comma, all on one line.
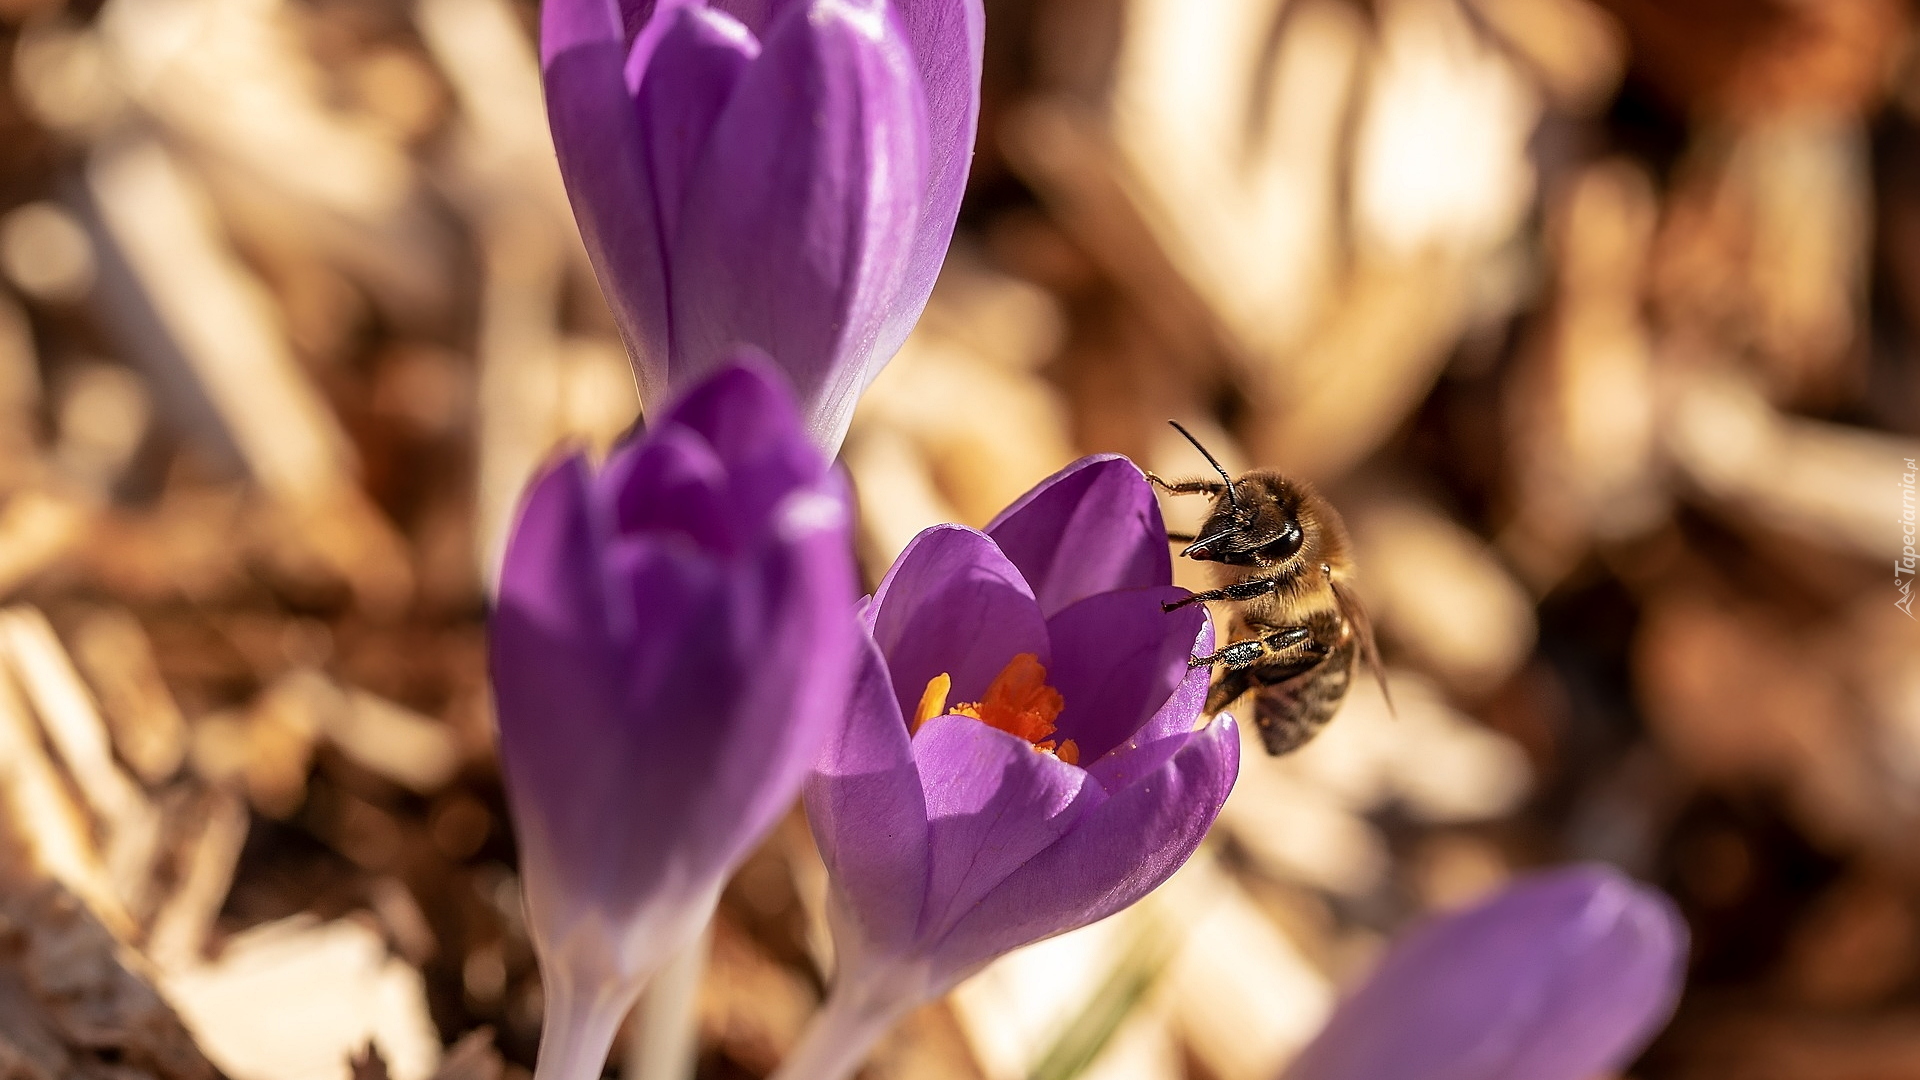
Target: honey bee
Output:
[(1298, 628)]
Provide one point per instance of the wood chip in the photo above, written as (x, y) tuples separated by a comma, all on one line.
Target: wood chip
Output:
[(267, 748), (1830, 485), (987, 432), (230, 76), (472, 1057), (43, 821), (184, 921), (1581, 407), (520, 379), (751, 1006), (1241, 991), (20, 394), (36, 530), (1433, 761), (218, 333), (415, 751), (1326, 844), (895, 489), (70, 1006), (495, 73), (293, 1000), (1439, 592), (149, 733), (1574, 48), (1013, 1011), (66, 712)]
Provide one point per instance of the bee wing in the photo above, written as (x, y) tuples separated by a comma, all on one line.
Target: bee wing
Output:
[(1355, 613)]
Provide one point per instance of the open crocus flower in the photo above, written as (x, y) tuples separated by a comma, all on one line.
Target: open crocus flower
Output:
[(1022, 754), (777, 173), (673, 640), (1563, 976)]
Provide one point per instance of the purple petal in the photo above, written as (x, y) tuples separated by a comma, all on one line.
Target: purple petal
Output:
[(757, 15), (660, 699), (583, 57), (1562, 976), (636, 16), (571, 24), (993, 802), (1117, 853), (550, 576), (1166, 731), (804, 204), (952, 604), (745, 413), (722, 751), (563, 682), (869, 813), (793, 621), (1090, 528), (1116, 659), (654, 794), (653, 585), (670, 483), (556, 676), (685, 67), (948, 38)]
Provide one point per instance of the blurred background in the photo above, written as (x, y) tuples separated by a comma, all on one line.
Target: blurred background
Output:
[(1600, 322)]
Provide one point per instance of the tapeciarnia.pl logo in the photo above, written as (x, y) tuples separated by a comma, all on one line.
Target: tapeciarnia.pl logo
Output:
[(1903, 567)]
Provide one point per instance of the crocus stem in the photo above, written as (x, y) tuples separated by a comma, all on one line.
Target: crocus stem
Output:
[(661, 1040), (579, 1029), (856, 1014)]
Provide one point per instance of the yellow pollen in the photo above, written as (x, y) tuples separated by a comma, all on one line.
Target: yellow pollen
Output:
[(1018, 702), (933, 701)]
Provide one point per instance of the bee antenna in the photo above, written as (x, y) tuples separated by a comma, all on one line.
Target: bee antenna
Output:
[(1232, 499)]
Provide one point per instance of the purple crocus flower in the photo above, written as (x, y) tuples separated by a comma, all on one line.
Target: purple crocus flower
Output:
[(1562, 976), (777, 173), (1022, 755), (673, 640)]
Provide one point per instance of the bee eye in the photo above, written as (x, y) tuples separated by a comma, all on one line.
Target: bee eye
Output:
[(1287, 544)]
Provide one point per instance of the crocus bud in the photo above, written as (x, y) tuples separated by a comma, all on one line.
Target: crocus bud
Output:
[(673, 639), (1562, 976), (783, 174), (1022, 755)]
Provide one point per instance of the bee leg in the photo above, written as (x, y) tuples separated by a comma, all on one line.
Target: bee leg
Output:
[(1187, 487), (1235, 656), (1280, 655), (1242, 654), (1264, 661), (1244, 590)]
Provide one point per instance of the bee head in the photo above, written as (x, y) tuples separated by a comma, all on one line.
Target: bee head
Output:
[(1257, 521)]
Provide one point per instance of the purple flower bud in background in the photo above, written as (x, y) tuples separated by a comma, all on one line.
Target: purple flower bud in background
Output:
[(673, 640), (1022, 755), (1563, 976), (777, 173)]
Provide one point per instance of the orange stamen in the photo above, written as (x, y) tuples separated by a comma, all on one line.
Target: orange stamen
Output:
[(1018, 702)]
